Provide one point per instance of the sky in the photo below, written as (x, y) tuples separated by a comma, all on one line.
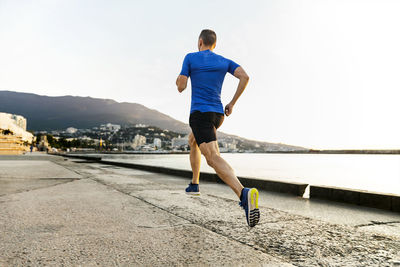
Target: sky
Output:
[(323, 74)]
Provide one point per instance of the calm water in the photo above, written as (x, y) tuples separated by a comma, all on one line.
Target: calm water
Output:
[(379, 173)]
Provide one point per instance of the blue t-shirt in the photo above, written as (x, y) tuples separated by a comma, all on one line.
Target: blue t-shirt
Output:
[(207, 71)]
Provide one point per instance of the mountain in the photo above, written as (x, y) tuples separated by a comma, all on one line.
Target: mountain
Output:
[(57, 113), (51, 113)]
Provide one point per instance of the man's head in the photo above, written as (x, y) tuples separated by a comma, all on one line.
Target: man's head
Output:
[(207, 40)]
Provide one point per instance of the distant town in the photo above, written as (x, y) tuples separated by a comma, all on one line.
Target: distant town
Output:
[(117, 138), (70, 123), (137, 138), (108, 137)]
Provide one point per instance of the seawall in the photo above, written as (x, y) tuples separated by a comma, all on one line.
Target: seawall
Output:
[(377, 200)]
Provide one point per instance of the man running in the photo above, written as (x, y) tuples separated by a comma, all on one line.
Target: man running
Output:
[(207, 71)]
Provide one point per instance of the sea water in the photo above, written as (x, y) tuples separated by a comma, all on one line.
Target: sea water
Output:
[(378, 173)]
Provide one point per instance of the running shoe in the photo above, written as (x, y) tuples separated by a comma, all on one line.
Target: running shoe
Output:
[(249, 202), (193, 189)]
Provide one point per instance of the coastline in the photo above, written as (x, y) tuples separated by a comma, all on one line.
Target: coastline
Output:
[(385, 201)]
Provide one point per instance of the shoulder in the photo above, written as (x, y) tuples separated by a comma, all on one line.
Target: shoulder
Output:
[(190, 55), (217, 55), (231, 65), (223, 58)]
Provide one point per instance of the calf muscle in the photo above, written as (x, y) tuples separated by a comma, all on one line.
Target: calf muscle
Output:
[(222, 168)]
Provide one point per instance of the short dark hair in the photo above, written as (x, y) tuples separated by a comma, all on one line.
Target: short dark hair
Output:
[(208, 36)]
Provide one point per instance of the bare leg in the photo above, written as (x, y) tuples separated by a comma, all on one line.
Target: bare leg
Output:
[(195, 159), (222, 168)]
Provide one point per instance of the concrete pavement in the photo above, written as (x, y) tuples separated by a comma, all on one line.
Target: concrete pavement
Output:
[(89, 214), (82, 221)]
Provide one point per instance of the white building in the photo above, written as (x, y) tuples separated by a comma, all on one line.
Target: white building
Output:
[(228, 145), (71, 130), (110, 127), (16, 124), (231, 145), (19, 121), (139, 140), (180, 141), (85, 138), (157, 142)]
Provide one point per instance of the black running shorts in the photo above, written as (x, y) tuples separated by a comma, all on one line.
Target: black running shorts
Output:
[(204, 125)]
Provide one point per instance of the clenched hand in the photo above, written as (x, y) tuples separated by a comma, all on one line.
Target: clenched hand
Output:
[(228, 109)]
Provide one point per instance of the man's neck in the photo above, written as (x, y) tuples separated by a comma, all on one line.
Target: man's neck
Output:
[(206, 48)]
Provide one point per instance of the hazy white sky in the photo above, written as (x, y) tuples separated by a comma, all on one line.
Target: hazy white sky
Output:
[(323, 74)]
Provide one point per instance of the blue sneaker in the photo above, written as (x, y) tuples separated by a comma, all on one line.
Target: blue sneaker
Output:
[(249, 202), (192, 189)]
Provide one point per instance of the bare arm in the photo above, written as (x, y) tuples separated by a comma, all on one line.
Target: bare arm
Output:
[(243, 80), (181, 83)]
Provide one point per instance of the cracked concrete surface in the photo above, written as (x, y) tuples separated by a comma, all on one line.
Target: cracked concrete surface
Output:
[(300, 240), (26, 174), (118, 216), (88, 223)]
